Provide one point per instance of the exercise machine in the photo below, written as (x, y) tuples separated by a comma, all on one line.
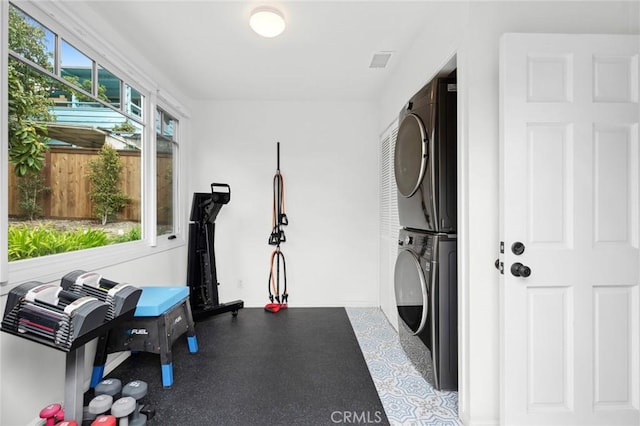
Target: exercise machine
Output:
[(202, 276)]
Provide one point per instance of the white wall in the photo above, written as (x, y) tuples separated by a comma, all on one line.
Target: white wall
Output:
[(329, 163), (471, 31)]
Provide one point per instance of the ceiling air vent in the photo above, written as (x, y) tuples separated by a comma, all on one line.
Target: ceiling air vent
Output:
[(380, 59)]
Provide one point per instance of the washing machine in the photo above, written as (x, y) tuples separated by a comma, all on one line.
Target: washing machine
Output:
[(425, 160), (425, 281)]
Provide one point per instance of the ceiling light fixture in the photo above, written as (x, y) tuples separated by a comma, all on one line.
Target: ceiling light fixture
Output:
[(267, 21)]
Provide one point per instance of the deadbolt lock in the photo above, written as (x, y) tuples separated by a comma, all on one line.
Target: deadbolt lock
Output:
[(517, 248)]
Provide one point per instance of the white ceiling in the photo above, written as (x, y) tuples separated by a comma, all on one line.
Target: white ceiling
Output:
[(209, 51)]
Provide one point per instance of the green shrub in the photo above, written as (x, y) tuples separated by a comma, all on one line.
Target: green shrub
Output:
[(84, 238), (133, 234), (26, 241)]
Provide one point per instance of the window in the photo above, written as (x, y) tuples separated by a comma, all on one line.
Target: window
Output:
[(75, 155), (31, 40), (166, 144), (76, 67), (109, 87), (73, 103)]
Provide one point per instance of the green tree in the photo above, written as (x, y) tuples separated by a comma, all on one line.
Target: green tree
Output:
[(86, 86), (28, 96), (124, 127), (104, 176), (31, 186)]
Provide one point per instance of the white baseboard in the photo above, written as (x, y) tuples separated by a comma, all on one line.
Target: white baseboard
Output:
[(481, 422)]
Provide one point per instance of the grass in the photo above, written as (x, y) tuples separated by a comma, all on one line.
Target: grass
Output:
[(27, 241)]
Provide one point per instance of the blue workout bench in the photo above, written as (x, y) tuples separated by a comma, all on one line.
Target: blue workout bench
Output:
[(162, 315)]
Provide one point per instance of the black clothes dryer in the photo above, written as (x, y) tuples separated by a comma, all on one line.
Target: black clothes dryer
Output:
[(426, 296), (425, 158)]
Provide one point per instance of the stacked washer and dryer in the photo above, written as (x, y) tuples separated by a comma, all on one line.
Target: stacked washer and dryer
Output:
[(425, 276)]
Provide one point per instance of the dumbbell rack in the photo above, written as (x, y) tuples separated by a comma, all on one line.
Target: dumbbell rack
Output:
[(74, 363)]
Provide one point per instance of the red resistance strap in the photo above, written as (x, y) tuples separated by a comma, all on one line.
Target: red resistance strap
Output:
[(277, 258), (274, 307)]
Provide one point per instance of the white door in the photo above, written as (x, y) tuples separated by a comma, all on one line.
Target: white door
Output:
[(569, 194)]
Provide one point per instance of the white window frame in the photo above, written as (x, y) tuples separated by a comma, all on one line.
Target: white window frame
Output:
[(168, 104), (165, 103), (61, 19), (4, 143)]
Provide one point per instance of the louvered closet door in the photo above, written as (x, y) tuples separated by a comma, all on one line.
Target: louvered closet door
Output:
[(389, 222)]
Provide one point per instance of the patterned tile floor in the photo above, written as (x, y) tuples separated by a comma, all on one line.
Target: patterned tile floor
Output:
[(408, 399)]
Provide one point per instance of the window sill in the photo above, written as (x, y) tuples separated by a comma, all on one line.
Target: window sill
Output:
[(53, 268)]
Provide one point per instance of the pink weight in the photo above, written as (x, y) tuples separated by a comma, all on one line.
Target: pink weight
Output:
[(104, 421), (50, 412), (59, 416)]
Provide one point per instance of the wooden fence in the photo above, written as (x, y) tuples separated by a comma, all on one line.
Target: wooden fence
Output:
[(65, 174)]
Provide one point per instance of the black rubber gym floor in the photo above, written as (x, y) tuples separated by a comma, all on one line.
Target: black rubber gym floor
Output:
[(300, 366)]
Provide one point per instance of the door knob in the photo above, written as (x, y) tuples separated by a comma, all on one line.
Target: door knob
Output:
[(520, 270)]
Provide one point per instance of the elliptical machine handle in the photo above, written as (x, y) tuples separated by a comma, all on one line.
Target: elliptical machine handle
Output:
[(221, 185), (225, 196)]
